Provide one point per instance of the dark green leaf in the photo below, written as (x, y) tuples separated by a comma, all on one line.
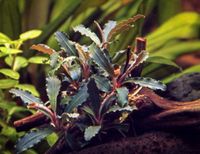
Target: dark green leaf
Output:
[(87, 32), (117, 108), (78, 99), (65, 100), (122, 96), (54, 59), (147, 82), (94, 96), (102, 83), (91, 132), (32, 138), (82, 52), (139, 59), (74, 67), (53, 87), (55, 63), (107, 28), (122, 26), (99, 57), (88, 110), (66, 44), (119, 56), (106, 106), (25, 96)]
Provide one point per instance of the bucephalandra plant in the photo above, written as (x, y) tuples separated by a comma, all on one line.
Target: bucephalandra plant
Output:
[(89, 86)]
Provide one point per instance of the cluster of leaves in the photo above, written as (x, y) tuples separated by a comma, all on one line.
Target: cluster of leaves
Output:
[(92, 85), (180, 38), (12, 61), (172, 38), (10, 51), (8, 134)]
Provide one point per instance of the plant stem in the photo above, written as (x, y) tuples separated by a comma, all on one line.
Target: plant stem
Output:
[(13, 62), (46, 111), (17, 46), (140, 46), (100, 31), (103, 103), (127, 58), (31, 121)]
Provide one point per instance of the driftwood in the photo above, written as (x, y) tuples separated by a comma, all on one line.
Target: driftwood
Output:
[(171, 115), (154, 113), (31, 121), (150, 100)]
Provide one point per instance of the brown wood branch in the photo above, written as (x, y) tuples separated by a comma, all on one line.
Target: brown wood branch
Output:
[(165, 103), (31, 121), (192, 108), (169, 108), (172, 115)]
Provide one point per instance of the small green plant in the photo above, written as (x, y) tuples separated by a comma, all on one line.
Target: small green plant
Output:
[(10, 52), (91, 85), (12, 61)]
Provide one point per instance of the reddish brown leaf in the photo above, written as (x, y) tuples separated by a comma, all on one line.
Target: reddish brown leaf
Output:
[(124, 25), (43, 48)]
